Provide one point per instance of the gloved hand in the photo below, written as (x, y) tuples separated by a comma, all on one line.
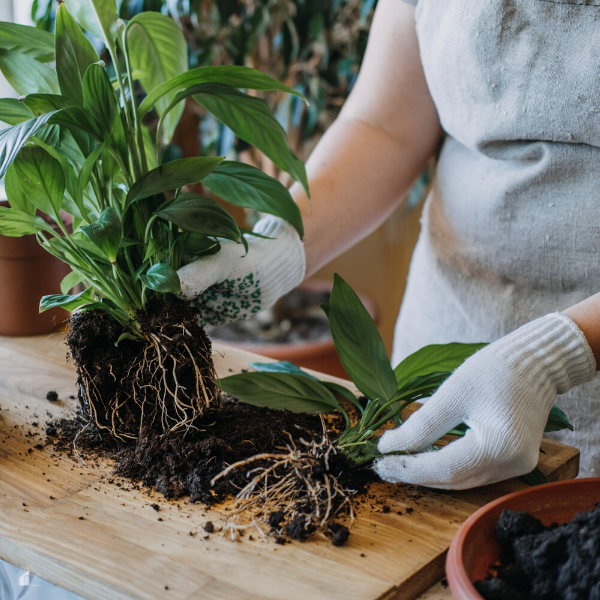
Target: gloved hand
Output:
[(228, 286), (504, 393)]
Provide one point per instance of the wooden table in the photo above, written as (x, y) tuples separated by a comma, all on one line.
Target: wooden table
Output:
[(123, 549)]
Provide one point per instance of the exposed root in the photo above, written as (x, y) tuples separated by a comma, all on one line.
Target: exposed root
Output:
[(291, 493)]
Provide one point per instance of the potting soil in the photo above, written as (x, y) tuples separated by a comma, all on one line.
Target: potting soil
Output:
[(560, 562)]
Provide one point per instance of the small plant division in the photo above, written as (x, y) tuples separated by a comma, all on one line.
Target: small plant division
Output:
[(83, 169), (313, 469)]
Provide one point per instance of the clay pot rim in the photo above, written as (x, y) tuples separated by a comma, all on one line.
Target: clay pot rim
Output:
[(459, 581)]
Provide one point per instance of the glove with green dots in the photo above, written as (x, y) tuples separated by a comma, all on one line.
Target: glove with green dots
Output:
[(229, 286)]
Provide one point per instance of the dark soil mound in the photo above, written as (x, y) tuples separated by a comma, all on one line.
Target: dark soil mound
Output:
[(162, 383), (178, 465), (560, 562)]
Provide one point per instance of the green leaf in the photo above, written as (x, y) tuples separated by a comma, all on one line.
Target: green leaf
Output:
[(251, 120), (66, 301), (40, 104), (284, 366), (70, 281), (359, 345), (106, 233), (78, 120), (536, 477), (17, 223), (84, 177), (157, 48), (99, 100), (422, 386), (199, 214), (26, 75), (281, 391), (162, 278), (235, 76), (436, 357), (197, 245), (557, 420), (13, 112), (248, 187), (172, 176), (42, 179), (83, 242), (74, 54), (99, 17), (14, 193), (34, 42)]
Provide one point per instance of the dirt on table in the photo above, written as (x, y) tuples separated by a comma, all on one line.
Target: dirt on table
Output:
[(179, 465), (560, 562)]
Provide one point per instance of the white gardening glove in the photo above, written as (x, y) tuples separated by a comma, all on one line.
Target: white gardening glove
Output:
[(504, 393), (228, 286)]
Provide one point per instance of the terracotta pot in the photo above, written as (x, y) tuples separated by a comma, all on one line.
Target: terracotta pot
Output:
[(474, 548), (319, 355), (28, 272)]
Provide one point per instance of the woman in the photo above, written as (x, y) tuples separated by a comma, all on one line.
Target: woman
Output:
[(510, 229)]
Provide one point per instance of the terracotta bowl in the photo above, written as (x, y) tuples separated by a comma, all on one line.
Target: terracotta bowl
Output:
[(475, 548)]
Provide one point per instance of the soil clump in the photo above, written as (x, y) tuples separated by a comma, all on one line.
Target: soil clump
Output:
[(560, 562), (164, 382)]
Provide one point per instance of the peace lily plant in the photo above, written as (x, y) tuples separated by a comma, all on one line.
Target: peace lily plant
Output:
[(78, 145), (386, 391)]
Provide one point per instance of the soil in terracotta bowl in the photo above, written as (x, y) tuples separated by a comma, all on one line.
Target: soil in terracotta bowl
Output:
[(296, 317), (559, 562)]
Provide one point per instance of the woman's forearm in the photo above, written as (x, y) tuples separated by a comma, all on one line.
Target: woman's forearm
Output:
[(586, 316), (358, 175), (387, 131)]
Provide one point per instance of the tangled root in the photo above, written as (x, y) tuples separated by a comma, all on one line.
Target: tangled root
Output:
[(295, 493), (166, 382)]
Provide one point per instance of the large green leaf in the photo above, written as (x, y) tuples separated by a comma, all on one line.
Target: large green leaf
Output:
[(16, 223), (199, 214), (106, 233), (84, 177), (557, 420), (284, 366), (27, 75), (158, 50), (162, 278), (41, 178), (99, 100), (436, 357), (40, 104), (28, 40), (14, 193), (99, 17), (70, 281), (235, 76), (281, 391), (74, 54), (13, 112), (359, 345), (251, 120), (246, 186), (79, 121), (172, 176), (66, 301)]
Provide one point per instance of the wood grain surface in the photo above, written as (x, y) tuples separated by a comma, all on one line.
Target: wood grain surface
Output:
[(123, 549)]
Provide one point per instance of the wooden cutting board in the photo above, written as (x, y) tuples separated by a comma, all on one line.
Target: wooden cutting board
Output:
[(123, 549)]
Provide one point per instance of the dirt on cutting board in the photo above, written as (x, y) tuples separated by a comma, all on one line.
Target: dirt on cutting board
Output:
[(184, 465), (560, 562)]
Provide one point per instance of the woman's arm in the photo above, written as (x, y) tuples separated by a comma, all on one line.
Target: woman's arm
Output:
[(369, 158), (586, 315)]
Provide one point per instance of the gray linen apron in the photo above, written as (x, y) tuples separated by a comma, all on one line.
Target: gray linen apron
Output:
[(511, 229)]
